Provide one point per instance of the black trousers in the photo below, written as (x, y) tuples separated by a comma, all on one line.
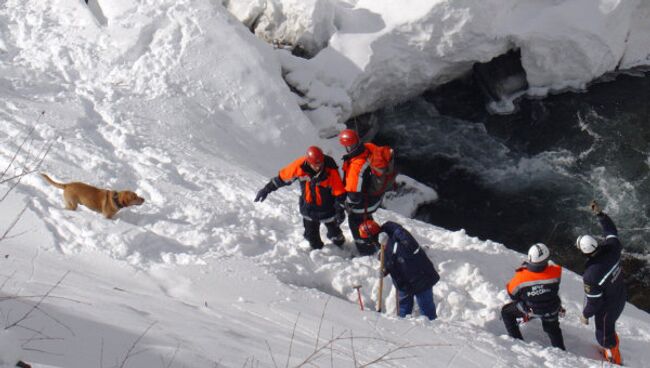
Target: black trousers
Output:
[(312, 233), (551, 325), (606, 324), (363, 246)]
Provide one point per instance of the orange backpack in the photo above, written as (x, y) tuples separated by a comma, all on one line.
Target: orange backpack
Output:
[(382, 168)]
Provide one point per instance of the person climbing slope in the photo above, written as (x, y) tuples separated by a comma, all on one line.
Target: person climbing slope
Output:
[(321, 198)]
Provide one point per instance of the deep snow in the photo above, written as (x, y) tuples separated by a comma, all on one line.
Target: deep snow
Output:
[(179, 102)]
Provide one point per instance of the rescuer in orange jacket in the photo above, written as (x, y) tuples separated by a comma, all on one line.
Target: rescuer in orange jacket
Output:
[(534, 290), (322, 195), (359, 203)]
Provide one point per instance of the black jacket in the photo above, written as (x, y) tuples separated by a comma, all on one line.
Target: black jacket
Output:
[(603, 278), (406, 262)]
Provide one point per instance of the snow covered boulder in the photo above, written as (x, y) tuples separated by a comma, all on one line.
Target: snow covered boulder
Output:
[(306, 24), (384, 52)]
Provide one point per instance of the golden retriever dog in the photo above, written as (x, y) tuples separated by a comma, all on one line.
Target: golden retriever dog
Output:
[(108, 202)]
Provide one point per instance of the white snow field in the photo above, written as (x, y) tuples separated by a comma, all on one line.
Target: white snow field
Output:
[(178, 101)]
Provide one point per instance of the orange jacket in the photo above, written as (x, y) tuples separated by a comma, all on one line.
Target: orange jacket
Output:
[(537, 290), (319, 191), (356, 169)]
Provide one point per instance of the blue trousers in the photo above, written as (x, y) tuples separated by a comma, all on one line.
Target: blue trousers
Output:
[(425, 302)]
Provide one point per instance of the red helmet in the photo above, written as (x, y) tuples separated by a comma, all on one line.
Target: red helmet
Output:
[(368, 229), (348, 138), (314, 156)]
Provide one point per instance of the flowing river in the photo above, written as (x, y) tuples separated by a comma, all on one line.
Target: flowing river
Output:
[(529, 176)]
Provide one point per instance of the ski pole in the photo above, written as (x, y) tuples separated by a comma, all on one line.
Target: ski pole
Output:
[(358, 287), (381, 277)]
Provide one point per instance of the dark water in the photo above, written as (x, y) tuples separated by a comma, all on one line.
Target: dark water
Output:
[(529, 176)]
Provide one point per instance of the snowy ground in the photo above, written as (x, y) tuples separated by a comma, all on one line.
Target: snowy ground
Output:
[(179, 102)]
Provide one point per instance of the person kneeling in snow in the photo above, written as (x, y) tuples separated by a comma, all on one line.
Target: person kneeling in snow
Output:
[(407, 263), (534, 289), (322, 195)]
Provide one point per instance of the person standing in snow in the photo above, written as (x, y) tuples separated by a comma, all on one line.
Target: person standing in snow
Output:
[(605, 293), (321, 198), (534, 290), (359, 203), (407, 263)]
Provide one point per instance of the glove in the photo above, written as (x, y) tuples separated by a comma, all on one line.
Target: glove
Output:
[(268, 188), (562, 312), (584, 320), (595, 208)]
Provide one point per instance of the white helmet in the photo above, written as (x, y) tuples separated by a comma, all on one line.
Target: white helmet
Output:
[(538, 253), (587, 244)]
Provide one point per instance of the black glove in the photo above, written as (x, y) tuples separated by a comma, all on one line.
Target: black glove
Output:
[(268, 188)]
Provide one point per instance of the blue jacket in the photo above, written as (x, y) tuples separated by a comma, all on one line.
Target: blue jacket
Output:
[(603, 279), (406, 262)]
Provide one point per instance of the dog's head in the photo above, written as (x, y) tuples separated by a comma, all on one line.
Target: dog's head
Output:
[(128, 198)]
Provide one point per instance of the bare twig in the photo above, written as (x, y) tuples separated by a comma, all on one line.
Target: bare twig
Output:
[(44, 352), (12, 297), (17, 235), (39, 302), (245, 362), (129, 353), (56, 320), (13, 223), (332, 350), (271, 353), (317, 351), (178, 346), (26, 171), (383, 356), (32, 330), (4, 283), (320, 323), (354, 355), (293, 334), (20, 148)]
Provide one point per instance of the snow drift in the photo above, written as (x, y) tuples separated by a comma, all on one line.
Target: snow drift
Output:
[(385, 52)]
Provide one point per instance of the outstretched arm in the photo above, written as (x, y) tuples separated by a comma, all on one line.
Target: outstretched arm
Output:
[(605, 222), (271, 186)]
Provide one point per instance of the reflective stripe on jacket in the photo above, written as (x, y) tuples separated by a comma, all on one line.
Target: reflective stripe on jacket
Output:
[(319, 191), (356, 169)]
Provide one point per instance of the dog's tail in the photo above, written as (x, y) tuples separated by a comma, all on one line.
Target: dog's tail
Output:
[(58, 185)]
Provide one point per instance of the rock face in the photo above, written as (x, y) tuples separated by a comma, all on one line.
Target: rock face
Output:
[(375, 53)]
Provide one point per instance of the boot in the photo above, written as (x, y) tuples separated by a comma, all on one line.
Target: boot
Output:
[(613, 355), (338, 240)]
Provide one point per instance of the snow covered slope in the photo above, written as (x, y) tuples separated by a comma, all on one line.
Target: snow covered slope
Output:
[(384, 52), (179, 102)]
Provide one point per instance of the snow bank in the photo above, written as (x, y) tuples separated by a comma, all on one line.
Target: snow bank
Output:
[(385, 52), (307, 24)]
